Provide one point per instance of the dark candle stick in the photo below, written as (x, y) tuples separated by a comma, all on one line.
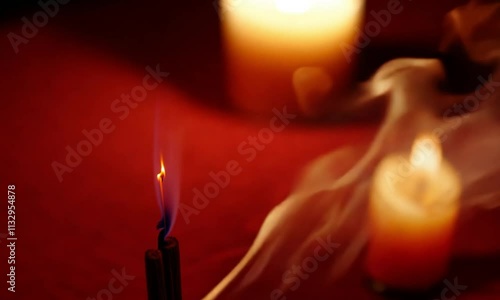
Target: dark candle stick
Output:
[(169, 248), (155, 278)]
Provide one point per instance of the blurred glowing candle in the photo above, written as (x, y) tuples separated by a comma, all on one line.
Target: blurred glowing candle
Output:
[(413, 208), (266, 41)]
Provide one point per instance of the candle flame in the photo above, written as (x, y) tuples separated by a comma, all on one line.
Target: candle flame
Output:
[(161, 175), (426, 152)]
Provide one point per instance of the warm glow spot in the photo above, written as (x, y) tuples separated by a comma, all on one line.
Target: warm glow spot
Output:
[(426, 152), (293, 6)]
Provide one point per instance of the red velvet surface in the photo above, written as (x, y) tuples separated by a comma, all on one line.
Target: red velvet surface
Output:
[(102, 216)]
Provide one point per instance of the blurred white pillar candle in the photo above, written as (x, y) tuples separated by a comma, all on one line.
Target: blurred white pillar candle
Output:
[(267, 40), (413, 209)]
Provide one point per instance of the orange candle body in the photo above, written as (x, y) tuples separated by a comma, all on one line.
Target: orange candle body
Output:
[(412, 220), (266, 41)]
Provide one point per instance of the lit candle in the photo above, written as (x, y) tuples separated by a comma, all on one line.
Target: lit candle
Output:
[(414, 204), (266, 41)]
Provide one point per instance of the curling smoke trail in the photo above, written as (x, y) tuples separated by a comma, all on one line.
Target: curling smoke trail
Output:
[(331, 199)]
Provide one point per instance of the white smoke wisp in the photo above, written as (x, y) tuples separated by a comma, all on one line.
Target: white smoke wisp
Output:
[(332, 196)]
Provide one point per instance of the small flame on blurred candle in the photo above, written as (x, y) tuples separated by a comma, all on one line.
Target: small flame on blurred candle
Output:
[(426, 152), (426, 156)]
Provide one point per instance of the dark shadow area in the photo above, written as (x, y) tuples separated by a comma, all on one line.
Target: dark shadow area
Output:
[(475, 272)]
